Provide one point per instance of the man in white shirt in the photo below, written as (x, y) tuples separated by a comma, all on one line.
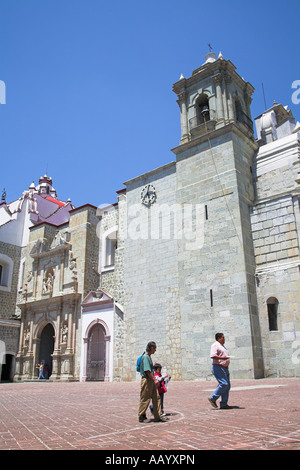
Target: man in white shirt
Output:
[(220, 362)]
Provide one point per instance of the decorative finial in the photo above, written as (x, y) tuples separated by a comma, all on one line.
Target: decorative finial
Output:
[(210, 56)]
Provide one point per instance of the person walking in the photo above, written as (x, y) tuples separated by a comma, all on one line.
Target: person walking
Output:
[(41, 370), (149, 387), (220, 363)]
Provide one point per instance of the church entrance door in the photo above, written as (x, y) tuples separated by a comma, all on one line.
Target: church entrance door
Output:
[(96, 353), (46, 347)]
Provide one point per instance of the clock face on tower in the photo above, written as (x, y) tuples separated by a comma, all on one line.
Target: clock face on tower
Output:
[(148, 195)]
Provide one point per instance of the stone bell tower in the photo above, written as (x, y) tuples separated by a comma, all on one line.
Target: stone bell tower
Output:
[(214, 161), (214, 94)]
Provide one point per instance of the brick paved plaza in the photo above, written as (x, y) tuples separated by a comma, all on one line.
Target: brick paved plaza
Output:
[(103, 416)]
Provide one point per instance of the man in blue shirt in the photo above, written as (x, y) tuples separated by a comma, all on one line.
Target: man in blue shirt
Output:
[(149, 387)]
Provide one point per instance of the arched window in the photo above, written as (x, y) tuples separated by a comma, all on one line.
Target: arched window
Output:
[(272, 305)]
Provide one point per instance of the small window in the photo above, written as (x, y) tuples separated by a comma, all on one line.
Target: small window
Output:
[(21, 275), (272, 304), (109, 246), (6, 271)]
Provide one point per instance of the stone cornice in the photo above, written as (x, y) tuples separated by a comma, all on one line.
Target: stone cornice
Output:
[(277, 154), (40, 251), (12, 323), (150, 173), (35, 304), (232, 127), (225, 67)]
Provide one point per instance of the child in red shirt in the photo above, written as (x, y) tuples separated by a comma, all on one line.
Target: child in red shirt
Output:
[(162, 385)]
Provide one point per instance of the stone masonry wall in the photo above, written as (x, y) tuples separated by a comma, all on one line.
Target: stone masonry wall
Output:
[(214, 282), (8, 300), (112, 281), (85, 250), (276, 241), (280, 347), (152, 310)]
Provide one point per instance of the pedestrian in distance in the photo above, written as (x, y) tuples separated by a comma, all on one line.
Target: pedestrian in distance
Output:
[(149, 389), (220, 363), (41, 370)]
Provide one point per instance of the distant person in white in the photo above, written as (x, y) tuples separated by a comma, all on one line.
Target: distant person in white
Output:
[(220, 362)]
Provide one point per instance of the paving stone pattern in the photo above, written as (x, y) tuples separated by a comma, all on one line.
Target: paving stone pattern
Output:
[(103, 416)]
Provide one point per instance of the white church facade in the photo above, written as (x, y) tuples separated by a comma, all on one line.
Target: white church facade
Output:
[(208, 242)]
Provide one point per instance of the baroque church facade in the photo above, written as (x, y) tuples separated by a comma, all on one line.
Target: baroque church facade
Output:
[(208, 242)]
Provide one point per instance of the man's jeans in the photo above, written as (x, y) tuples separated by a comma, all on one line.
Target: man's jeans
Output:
[(223, 377)]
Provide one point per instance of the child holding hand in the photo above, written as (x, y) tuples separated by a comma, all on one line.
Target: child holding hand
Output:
[(162, 385)]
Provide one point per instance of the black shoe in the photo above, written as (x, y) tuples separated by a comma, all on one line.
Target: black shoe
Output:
[(162, 419), (144, 419)]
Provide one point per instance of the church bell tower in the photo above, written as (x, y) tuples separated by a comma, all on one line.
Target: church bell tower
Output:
[(214, 95), (214, 159)]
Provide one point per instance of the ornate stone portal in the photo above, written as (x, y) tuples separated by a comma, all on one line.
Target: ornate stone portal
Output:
[(50, 298), (61, 312)]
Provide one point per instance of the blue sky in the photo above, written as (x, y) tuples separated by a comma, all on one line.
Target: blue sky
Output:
[(89, 82)]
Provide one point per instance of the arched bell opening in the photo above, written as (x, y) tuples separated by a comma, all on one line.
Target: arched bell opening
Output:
[(202, 109)]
